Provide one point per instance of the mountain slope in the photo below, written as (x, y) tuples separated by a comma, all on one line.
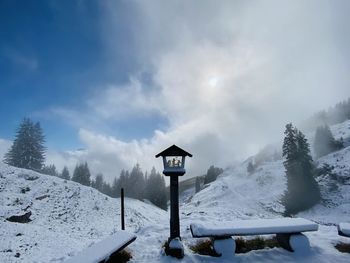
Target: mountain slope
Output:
[(66, 216)]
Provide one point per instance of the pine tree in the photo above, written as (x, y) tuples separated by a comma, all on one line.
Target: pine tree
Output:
[(98, 183), (135, 183), (49, 170), (250, 168), (212, 173), (302, 189), (324, 142), (65, 173), (106, 189), (197, 185), (82, 174), (27, 150), (155, 190)]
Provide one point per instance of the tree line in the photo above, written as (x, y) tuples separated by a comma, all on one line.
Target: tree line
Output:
[(28, 151), (337, 114)]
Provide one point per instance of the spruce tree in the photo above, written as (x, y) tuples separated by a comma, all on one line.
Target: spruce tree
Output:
[(324, 142), (65, 173), (135, 184), (49, 170), (302, 189), (155, 190), (212, 173), (197, 185), (27, 150), (250, 168), (82, 174), (98, 183)]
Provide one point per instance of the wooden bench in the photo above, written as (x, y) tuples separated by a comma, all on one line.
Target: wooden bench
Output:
[(288, 232), (101, 251), (344, 229)]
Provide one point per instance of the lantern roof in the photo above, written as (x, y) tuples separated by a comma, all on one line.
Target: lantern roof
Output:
[(174, 151)]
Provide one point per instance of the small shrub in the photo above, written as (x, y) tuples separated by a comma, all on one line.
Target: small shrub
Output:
[(120, 257), (204, 247), (343, 247)]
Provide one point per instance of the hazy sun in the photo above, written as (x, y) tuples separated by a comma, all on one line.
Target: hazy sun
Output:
[(213, 81)]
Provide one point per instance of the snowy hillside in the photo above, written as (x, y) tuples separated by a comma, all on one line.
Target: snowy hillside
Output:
[(257, 195), (66, 217)]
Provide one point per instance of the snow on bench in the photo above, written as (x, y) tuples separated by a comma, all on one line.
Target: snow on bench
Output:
[(344, 229), (287, 230), (101, 251), (254, 227)]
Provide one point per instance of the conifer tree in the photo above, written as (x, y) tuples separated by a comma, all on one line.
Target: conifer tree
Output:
[(324, 142), (49, 170), (135, 184), (197, 185), (27, 150), (302, 189), (98, 183), (65, 173), (155, 190), (82, 174), (212, 173), (250, 168)]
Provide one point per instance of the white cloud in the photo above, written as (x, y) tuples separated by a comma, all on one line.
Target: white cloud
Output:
[(116, 102), (227, 76)]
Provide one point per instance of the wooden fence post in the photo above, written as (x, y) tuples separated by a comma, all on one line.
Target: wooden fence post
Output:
[(122, 208)]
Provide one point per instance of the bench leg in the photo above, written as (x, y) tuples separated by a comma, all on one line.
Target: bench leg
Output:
[(224, 247), (296, 242)]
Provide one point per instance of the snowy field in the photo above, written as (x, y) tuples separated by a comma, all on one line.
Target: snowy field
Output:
[(68, 217)]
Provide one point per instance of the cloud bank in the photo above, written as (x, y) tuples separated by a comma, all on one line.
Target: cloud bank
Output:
[(227, 76)]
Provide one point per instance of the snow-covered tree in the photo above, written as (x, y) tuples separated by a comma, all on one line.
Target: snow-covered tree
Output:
[(302, 189), (27, 150), (82, 174)]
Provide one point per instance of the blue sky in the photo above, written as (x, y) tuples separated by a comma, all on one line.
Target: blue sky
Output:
[(52, 54), (125, 79)]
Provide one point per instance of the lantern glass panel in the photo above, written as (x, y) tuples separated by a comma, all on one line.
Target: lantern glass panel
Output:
[(173, 162)]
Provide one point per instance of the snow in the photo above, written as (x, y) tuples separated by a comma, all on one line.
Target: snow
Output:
[(67, 217), (344, 228), (103, 249), (176, 244), (299, 243), (225, 247), (254, 227)]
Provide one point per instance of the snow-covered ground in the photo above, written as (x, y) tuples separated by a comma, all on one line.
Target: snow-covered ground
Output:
[(67, 217)]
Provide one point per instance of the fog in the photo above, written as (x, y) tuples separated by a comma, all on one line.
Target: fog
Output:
[(226, 76)]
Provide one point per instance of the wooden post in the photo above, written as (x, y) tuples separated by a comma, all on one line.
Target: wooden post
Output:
[(174, 207), (122, 208)]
